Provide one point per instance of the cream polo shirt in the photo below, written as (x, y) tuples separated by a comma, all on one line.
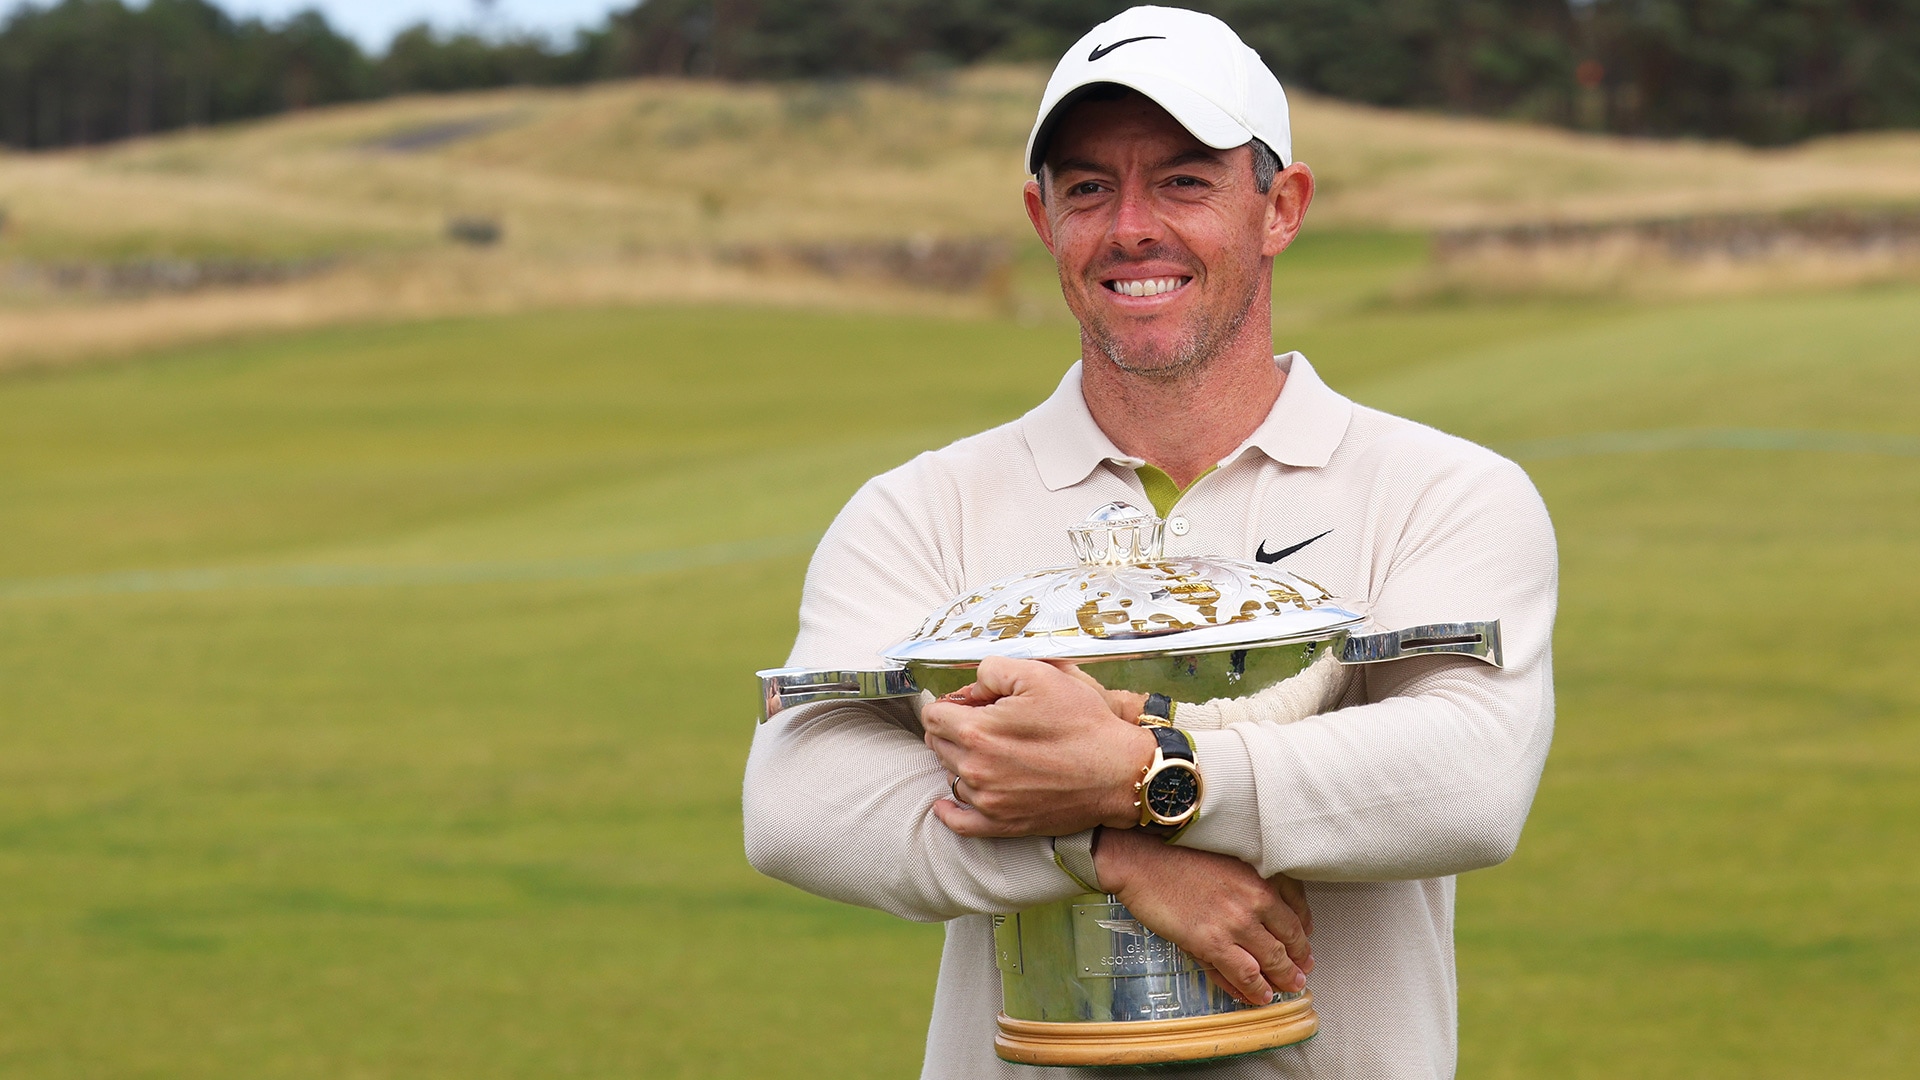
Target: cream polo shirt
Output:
[(1426, 769)]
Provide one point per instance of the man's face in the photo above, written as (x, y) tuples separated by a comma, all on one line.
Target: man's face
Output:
[(1163, 243)]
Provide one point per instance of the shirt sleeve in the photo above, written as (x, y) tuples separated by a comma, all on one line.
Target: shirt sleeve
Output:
[(838, 796), (1433, 772)]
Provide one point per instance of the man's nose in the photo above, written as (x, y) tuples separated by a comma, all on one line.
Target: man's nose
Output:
[(1136, 221)]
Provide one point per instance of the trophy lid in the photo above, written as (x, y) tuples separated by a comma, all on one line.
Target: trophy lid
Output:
[(1126, 598)]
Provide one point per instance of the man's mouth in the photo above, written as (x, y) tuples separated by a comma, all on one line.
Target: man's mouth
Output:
[(1155, 286)]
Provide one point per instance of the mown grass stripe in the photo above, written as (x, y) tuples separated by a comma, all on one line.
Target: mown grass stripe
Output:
[(1638, 442), (312, 576), (207, 579)]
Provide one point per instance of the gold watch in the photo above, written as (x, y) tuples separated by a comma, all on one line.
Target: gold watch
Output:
[(1168, 793)]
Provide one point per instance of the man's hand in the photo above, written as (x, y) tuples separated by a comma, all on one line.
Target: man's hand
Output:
[(1125, 704), (1038, 752), (1251, 933)]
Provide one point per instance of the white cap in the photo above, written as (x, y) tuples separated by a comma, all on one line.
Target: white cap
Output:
[(1190, 64)]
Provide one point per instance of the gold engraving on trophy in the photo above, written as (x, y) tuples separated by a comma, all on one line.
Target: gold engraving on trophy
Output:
[(1094, 622), (1287, 594), (1197, 593), (1005, 626)]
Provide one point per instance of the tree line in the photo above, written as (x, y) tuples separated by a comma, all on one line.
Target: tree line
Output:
[(84, 71), (1763, 71)]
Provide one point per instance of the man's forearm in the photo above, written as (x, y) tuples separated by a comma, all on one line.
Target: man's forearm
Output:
[(838, 801), (1434, 774), (1427, 783)]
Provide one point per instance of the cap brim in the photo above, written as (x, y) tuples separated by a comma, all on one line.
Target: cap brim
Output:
[(1203, 119)]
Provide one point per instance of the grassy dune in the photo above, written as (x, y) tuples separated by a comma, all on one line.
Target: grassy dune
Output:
[(666, 191), (375, 698), (659, 165)]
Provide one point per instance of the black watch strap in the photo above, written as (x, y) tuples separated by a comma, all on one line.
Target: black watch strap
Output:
[(1159, 706), (1174, 743)]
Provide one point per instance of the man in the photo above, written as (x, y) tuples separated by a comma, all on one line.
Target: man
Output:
[(1164, 187)]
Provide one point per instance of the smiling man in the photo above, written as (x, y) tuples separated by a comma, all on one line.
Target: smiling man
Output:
[(1324, 846)]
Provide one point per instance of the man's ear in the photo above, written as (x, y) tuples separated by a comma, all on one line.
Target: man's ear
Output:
[(1287, 207), (1037, 213)]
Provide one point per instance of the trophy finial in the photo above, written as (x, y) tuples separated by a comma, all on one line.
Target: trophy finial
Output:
[(1117, 534)]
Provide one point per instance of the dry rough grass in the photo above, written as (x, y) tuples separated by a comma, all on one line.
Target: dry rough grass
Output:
[(1621, 267), (424, 285), (632, 192), (1384, 169)]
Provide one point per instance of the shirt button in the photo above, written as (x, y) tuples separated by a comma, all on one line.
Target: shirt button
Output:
[(1177, 526)]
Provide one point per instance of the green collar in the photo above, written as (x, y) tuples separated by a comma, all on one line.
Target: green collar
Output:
[(1161, 490)]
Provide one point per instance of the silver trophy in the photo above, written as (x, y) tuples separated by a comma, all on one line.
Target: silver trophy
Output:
[(1083, 982)]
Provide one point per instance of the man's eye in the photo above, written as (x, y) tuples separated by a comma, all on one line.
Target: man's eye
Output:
[(1085, 187), (1187, 182)]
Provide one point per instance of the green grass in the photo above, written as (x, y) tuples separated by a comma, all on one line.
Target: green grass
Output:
[(438, 776)]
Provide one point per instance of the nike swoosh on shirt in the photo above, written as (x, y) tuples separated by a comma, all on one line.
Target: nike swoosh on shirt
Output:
[(1260, 554), (1102, 50)]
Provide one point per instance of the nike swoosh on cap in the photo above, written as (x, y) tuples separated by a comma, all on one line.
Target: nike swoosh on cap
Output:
[(1260, 553), (1102, 50)]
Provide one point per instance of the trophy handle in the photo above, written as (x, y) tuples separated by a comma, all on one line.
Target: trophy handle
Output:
[(1480, 640), (783, 688)]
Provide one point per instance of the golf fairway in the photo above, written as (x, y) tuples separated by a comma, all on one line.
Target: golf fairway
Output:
[(373, 701)]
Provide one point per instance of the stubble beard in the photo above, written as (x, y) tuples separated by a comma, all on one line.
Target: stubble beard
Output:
[(1196, 347)]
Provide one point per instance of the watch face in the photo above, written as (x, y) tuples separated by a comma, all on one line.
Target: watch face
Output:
[(1173, 792)]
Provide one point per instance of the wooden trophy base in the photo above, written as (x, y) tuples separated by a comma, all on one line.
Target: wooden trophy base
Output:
[(1157, 1042)]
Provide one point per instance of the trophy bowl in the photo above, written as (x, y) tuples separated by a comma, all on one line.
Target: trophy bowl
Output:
[(1084, 982)]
